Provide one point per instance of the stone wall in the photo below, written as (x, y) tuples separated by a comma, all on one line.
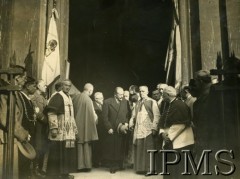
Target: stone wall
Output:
[(23, 28), (233, 19), (5, 22), (210, 33), (219, 30)]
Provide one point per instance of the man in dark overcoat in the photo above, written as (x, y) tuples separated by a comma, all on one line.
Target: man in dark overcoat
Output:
[(116, 113)]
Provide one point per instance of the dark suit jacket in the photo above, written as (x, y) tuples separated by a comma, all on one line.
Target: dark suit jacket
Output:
[(97, 109), (114, 113)]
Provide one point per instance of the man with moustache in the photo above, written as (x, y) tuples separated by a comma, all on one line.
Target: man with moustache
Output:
[(116, 113)]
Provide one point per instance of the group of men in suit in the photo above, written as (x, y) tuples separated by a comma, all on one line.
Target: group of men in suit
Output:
[(138, 119), (85, 132), (106, 126)]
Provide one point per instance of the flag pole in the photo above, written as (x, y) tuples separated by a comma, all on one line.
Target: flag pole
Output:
[(67, 69)]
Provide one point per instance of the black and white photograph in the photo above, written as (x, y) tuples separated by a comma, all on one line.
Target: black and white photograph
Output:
[(119, 89)]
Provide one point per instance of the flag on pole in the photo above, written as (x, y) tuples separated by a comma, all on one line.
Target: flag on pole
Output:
[(51, 64), (170, 59), (178, 73), (173, 63)]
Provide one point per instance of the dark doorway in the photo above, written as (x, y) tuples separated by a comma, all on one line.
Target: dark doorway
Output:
[(118, 42)]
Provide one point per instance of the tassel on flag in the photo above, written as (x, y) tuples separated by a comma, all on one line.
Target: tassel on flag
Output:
[(51, 64)]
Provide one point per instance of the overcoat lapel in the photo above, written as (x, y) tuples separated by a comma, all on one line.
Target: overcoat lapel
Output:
[(114, 104), (137, 108), (96, 107)]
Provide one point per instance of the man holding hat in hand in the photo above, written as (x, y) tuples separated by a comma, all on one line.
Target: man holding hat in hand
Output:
[(115, 117), (28, 123)]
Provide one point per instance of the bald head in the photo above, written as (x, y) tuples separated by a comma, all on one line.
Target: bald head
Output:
[(119, 93), (88, 89), (41, 86)]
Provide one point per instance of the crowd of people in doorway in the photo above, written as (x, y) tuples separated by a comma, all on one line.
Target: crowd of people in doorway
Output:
[(72, 133)]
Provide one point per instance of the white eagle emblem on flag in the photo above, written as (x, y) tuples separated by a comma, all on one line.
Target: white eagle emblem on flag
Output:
[(51, 64)]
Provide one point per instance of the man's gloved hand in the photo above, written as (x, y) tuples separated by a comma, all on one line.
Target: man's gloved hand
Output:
[(124, 129), (54, 133)]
